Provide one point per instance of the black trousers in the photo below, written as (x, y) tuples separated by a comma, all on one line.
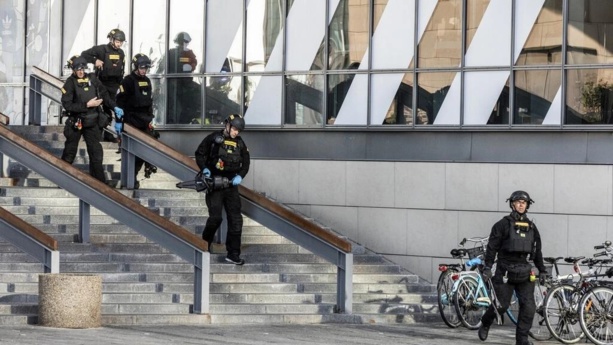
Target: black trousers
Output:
[(228, 199), (94, 149), (527, 306)]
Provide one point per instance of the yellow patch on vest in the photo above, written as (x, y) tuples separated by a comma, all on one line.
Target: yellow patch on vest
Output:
[(522, 224), (142, 83), (120, 89), (84, 80), (63, 91), (114, 57), (229, 143), (184, 59)]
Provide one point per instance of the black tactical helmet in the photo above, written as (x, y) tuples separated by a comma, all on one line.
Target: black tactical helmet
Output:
[(141, 60), (183, 37), (520, 195), (236, 121), (76, 62), (117, 34)]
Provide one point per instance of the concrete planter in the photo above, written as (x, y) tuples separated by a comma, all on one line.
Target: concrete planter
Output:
[(69, 300)]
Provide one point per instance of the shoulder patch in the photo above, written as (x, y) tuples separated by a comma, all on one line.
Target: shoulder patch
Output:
[(120, 89), (63, 90)]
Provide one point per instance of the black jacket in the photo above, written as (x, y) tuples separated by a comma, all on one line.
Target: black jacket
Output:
[(100, 53), (499, 234), (205, 157), (70, 100)]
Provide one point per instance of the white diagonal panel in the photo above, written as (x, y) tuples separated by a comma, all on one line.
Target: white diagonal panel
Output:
[(265, 107), (224, 18), (554, 116), (449, 113), (481, 91), (526, 13), (389, 52), (491, 45)]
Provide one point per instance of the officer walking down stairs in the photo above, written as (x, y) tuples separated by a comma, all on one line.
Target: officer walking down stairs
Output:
[(513, 239), (225, 154)]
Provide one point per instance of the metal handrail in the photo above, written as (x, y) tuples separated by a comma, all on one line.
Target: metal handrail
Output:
[(126, 210), (276, 217)]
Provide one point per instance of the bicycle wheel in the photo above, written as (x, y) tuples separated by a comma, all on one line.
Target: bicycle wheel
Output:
[(467, 300), (539, 330), (561, 316), (595, 312), (445, 299)]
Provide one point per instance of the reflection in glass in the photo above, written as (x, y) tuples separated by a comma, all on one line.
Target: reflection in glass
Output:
[(185, 37), (11, 46), (441, 43), (76, 35), (378, 8), (263, 107), (543, 46), (589, 23), (304, 99), (37, 34), (400, 111), (223, 97), (534, 92), (486, 98), (11, 103), (433, 88), (148, 36), (264, 23), (475, 9), (348, 36), (184, 100), (500, 113), (159, 103), (589, 96)]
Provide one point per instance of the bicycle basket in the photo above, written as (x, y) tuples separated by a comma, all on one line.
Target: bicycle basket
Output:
[(474, 252)]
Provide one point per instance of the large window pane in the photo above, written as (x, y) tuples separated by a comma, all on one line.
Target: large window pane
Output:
[(589, 96), (345, 106), (184, 104), (303, 99), (347, 36), (224, 35), (475, 9), (223, 97), (486, 98), (393, 37), (264, 24), (431, 92), (78, 33), (400, 111), (11, 103), (441, 42), (543, 44), (149, 37), (589, 24), (186, 47), (306, 26), (11, 43), (534, 93), (37, 35), (263, 98)]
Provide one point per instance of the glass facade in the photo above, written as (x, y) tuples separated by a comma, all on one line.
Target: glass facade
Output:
[(331, 63)]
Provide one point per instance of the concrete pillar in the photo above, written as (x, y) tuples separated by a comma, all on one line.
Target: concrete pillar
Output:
[(69, 300)]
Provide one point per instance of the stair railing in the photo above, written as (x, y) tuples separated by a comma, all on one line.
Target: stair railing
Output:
[(108, 200), (29, 239), (276, 217), (42, 84)]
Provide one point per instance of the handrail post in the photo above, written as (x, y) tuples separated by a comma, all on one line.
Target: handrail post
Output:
[(128, 162), (201, 282), (52, 264), (84, 221), (344, 286), (35, 101)]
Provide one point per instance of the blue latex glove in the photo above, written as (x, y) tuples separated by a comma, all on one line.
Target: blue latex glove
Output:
[(118, 112), (206, 172), (118, 128), (237, 180)]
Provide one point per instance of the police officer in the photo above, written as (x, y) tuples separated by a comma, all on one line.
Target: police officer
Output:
[(82, 96), (513, 239), (225, 154), (109, 62), (134, 96)]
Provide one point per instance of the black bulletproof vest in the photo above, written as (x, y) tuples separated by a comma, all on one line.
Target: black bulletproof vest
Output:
[(85, 91), (229, 156), (113, 63), (142, 95), (520, 238)]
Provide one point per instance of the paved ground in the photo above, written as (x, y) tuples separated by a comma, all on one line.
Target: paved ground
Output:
[(421, 334)]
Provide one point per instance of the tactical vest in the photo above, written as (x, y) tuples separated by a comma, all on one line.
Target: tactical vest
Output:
[(113, 63), (142, 97), (520, 238), (228, 156), (85, 91)]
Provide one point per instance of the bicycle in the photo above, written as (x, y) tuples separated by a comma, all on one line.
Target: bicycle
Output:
[(596, 305)]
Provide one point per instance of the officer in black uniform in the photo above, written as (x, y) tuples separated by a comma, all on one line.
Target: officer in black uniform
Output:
[(82, 97), (135, 98), (109, 62), (225, 154), (513, 239)]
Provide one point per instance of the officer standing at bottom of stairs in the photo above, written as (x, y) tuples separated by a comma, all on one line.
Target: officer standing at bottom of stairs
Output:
[(82, 97), (225, 154), (513, 238)]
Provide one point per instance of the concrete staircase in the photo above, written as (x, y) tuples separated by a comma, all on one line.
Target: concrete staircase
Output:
[(145, 284)]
